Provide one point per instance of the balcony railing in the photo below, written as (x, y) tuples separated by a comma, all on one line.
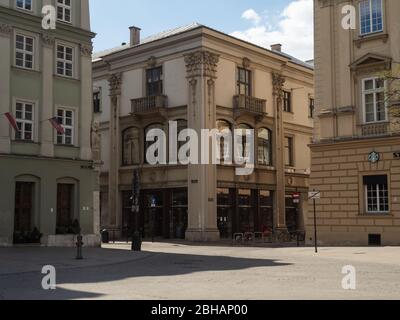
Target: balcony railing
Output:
[(375, 129), (250, 104), (148, 105)]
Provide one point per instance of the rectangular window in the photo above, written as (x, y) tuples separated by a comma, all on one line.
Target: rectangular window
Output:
[(65, 60), (64, 10), (374, 100), (244, 82), (24, 47), (287, 101), (289, 152), (376, 194), (66, 119), (25, 120), (97, 102), (311, 108), (154, 81), (24, 4), (371, 16)]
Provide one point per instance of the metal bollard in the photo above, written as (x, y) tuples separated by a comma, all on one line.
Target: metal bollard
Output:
[(79, 245)]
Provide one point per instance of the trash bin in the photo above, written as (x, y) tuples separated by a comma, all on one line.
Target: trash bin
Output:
[(105, 236)]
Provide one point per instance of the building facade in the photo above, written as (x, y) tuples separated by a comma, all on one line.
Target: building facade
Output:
[(47, 180), (202, 79), (355, 155)]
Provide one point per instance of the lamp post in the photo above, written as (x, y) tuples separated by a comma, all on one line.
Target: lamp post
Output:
[(136, 237)]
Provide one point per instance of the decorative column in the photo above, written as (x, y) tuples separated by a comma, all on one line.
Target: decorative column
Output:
[(86, 110), (113, 174), (202, 179), (279, 135), (46, 110), (5, 99)]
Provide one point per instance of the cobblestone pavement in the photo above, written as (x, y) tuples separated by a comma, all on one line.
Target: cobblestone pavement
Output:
[(201, 272)]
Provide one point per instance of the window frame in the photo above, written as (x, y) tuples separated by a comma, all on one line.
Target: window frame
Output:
[(124, 151), (64, 60), (371, 18), (311, 107), (270, 148), (24, 5), (64, 7), (97, 93), (373, 91), (24, 52), (377, 192), (287, 101), (159, 84), (24, 121), (290, 148), (247, 83), (66, 127)]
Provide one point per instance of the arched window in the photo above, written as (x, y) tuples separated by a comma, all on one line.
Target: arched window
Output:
[(264, 147), (131, 147), (242, 130), (146, 131), (223, 127)]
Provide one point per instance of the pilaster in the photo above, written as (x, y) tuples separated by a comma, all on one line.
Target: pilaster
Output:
[(5, 99), (280, 208), (202, 179), (115, 81), (46, 110)]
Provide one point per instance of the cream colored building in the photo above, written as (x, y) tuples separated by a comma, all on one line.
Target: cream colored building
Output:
[(191, 74), (355, 155)]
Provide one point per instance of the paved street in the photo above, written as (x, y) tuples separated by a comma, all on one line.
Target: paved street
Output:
[(177, 271)]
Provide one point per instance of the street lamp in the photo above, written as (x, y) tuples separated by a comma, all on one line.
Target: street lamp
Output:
[(136, 237)]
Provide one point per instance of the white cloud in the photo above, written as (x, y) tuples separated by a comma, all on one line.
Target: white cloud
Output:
[(252, 15), (293, 29)]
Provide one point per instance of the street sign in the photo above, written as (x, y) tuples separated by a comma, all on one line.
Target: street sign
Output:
[(296, 197), (314, 195)]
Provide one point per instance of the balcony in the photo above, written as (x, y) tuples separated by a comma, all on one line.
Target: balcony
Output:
[(149, 105), (375, 129), (243, 104)]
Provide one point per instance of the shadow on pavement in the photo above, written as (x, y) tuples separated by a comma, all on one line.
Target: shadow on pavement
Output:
[(149, 264)]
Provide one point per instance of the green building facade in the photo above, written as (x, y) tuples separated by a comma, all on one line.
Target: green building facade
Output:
[(48, 180)]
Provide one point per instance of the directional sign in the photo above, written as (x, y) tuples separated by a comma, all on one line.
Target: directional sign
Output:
[(314, 195)]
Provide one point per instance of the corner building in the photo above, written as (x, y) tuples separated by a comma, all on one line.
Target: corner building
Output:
[(203, 79)]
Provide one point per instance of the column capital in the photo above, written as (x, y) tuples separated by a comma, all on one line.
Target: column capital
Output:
[(278, 82), (5, 29), (115, 81), (86, 49), (48, 40), (201, 64)]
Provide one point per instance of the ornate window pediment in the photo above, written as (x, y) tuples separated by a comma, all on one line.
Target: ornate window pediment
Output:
[(371, 62)]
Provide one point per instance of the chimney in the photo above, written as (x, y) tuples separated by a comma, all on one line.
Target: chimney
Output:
[(276, 47), (135, 36)]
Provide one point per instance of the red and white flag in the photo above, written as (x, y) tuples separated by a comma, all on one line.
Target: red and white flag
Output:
[(56, 125), (12, 121)]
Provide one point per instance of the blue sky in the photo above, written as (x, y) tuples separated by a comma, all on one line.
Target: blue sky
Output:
[(111, 19)]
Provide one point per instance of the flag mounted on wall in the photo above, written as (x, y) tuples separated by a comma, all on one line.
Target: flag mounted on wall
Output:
[(12, 121), (56, 125)]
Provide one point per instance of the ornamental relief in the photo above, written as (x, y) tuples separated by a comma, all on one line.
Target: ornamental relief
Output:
[(48, 40), (201, 63), (5, 29), (115, 81), (278, 82), (86, 49)]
